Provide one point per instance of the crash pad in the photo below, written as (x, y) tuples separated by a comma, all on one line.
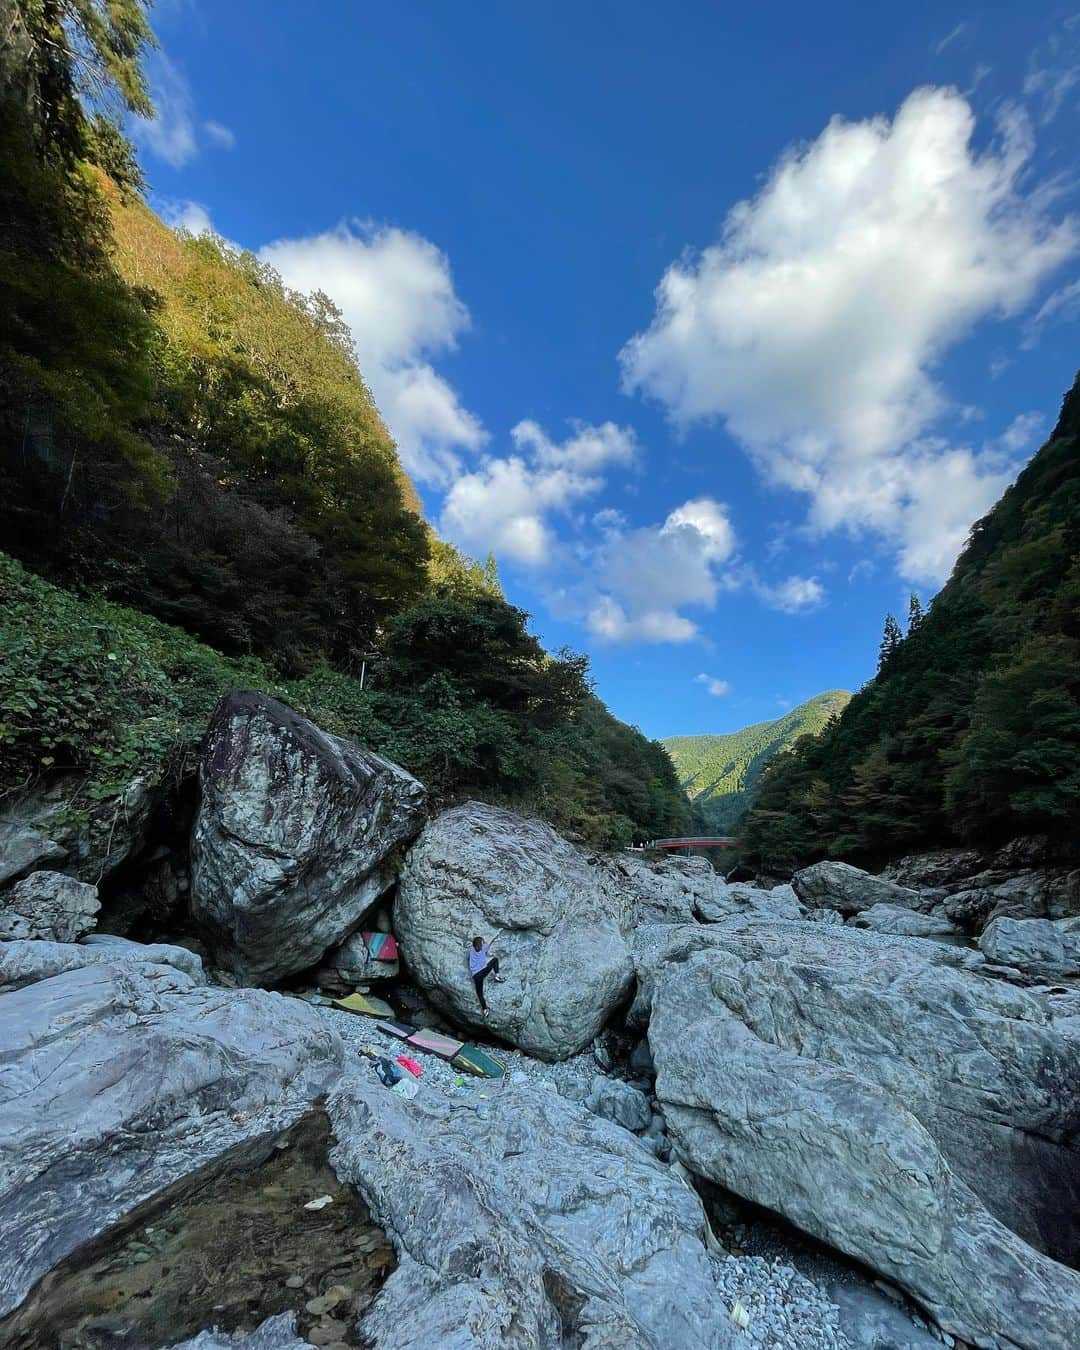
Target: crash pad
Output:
[(381, 946), (446, 1047), (402, 1030), (471, 1059), (364, 1003)]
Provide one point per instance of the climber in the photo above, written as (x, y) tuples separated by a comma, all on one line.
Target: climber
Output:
[(481, 965)]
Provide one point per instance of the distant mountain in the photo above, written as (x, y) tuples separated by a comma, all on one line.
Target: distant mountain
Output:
[(718, 773)]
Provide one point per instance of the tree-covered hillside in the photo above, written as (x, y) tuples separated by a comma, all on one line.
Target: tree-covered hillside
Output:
[(189, 453), (719, 773), (971, 729)]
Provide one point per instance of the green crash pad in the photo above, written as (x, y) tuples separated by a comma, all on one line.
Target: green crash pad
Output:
[(471, 1059), (365, 1004)]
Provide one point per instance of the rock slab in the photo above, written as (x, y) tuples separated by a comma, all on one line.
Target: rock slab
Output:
[(297, 836), (879, 1093), (120, 1078), (49, 906), (478, 870), (837, 885)]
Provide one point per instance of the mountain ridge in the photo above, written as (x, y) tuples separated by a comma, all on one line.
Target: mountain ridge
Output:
[(719, 771)]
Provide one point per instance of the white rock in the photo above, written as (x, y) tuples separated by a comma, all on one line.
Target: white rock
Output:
[(48, 906), (478, 870)]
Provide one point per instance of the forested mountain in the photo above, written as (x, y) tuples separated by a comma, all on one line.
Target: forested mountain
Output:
[(970, 730), (719, 773), (183, 437)]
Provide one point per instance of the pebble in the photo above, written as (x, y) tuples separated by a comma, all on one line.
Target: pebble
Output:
[(320, 1203), (294, 1282)]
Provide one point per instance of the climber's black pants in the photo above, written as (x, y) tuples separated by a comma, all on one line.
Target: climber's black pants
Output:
[(492, 968)]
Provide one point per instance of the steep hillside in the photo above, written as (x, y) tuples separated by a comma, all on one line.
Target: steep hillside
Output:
[(719, 773), (971, 729)]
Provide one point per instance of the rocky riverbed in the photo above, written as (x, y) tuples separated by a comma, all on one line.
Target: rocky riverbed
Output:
[(837, 1113)]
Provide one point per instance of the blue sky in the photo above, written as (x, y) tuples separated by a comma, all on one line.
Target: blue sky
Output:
[(718, 326)]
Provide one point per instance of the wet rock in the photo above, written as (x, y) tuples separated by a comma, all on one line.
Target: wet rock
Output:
[(479, 870), (537, 1225), (118, 1079), (295, 839), (877, 1092), (904, 922), (1038, 947), (837, 885), (48, 906), (618, 1101)]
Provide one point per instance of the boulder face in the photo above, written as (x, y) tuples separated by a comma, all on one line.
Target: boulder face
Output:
[(27, 962), (538, 1225), (879, 1093), (837, 885), (478, 870), (904, 922), (1038, 947), (120, 1078), (50, 907), (295, 839)]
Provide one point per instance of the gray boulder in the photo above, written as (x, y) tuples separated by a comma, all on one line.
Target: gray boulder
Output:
[(22, 848), (618, 1101), (478, 870), (48, 906), (663, 890), (27, 962), (837, 885), (941, 867), (878, 1092), (740, 898), (119, 1079), (904, 922), (275, 1333), (540, 1225), (352, 964), (297, 836), (1038, 947)]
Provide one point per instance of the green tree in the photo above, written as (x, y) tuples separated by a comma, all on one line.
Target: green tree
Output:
[(891, 639)]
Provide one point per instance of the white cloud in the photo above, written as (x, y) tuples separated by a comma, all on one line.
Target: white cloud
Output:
[(794, 595), (643, 577), (220, 134), (1022, 432), (950, 38), (170, 133), (717, 688), (397, 294), (504, 504), (1061, 305), (813, 325), (193, 217)]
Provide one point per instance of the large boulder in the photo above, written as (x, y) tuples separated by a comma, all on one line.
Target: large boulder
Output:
[(537, 1225), (879, 1092), (837, 885), (27, 962), (297, 836), (903, 922), (740, 898), (50, 907), (119, 1079), (478, 870), (1039, 947)]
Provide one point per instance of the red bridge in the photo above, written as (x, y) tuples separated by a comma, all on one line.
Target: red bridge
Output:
[(704, 841)]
